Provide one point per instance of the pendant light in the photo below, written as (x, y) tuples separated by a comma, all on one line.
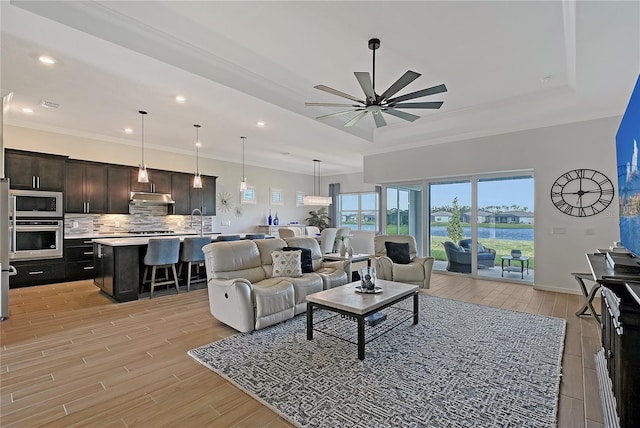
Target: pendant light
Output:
[(143, 176), (197, 180), (243, 180), (316, 200)]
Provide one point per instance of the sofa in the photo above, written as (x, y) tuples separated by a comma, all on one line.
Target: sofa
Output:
[(459, 256), (246, 294), (412, 270)]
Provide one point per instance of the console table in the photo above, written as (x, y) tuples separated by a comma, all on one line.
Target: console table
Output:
[(620, 357)]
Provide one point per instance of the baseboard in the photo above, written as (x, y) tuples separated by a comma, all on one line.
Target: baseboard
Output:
[(557, 289)]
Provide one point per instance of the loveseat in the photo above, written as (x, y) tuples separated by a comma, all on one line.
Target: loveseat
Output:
[(459, 256), (245, 291)]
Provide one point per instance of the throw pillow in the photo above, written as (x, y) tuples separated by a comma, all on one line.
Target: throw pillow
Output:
[(306, 262), (398, 252), (481, 248), (286, 263)]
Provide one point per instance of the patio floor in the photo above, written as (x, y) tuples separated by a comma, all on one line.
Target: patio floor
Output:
[(493, 273)]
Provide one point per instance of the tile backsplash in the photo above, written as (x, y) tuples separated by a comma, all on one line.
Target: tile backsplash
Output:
[(142, 218)]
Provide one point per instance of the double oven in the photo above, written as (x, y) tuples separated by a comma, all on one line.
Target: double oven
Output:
[(36, 225)]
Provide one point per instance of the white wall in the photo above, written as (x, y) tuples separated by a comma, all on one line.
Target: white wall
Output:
[(228, 173), (561, 241)]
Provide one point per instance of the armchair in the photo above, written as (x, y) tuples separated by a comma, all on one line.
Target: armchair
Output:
[(459, 258), (417, 271)]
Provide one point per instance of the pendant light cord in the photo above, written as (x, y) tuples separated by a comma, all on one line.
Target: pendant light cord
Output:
[(243, 138), (197, 149), (142, 113)]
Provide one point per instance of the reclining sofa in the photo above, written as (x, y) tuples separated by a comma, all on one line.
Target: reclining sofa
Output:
[(245, 294)]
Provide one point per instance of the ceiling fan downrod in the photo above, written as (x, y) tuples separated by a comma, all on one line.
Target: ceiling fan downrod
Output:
[(373, 45)]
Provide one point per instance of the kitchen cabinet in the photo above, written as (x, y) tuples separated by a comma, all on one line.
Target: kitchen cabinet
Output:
[(37, 272), (78, 258), (205, 198), (85, 187), (159, 181), (180, 184), (29, 170), (118, 189), (117, 270)]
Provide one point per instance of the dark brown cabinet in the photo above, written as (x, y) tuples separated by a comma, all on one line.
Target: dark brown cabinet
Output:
[(37, 272), (29, 170), (205, 198), (180, 184), (159, 182), (86, 187), (78, 258), (118, 189), (117, 270)]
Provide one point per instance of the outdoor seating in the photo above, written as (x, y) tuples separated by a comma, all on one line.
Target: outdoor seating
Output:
[(486, 256)]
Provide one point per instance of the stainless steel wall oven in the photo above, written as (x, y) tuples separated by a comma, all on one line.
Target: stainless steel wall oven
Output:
[(37, 239)]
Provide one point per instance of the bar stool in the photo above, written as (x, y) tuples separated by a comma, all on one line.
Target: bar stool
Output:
[(588, 295), (228, 238), (254, 236), (162, 253), (192, 253)]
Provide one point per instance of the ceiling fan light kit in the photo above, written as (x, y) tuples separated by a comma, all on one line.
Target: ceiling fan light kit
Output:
[(378, 104)]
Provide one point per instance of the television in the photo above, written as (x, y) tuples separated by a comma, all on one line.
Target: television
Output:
[(627, 146)]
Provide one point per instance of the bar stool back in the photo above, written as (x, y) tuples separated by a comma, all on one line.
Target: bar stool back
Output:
[(192, 254), (162, 253)]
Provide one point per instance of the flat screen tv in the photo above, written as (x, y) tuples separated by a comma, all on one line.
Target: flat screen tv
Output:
[(627, 145)]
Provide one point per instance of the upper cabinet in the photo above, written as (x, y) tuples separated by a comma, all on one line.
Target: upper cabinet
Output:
[(86, 185), (204, 199), (180, 184), (28, 170), (159, 182), (118, 189)]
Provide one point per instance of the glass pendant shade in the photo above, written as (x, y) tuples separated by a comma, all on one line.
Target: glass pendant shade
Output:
[(243, 180), (197, 180), (316, 200), (143, 176)]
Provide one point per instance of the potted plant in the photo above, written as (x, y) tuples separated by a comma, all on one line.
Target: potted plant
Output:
[(319, 218)]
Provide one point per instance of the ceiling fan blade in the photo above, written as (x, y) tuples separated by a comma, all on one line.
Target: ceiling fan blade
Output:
[(406, 78), (433, 104), (423, 93), (355, 119), (402, 115), (330, 105), (377, 116), (338, 93), (365, 83), (327, 116)]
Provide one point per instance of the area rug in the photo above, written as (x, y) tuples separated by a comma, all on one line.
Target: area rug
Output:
[(463, 365)]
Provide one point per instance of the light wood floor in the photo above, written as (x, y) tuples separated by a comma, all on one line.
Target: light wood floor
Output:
[(70, 357)]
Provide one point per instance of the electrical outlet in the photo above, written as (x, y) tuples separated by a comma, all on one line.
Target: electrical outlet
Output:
[(225, 223), (74, 224), (117, 224)]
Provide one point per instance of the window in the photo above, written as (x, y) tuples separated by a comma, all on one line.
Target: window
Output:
[(248, 196), (359, 211)]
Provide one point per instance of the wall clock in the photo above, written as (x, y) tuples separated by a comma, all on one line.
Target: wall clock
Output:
[(582, 192), (224, 202)]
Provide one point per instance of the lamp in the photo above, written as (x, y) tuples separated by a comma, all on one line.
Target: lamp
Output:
[(243, 180), (197, 180), (316, 200), (143, 176)]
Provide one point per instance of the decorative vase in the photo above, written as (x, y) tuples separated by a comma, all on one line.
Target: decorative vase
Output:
[(342, 249), (350, 251), (270, 219), (275, 219), (368, 278)]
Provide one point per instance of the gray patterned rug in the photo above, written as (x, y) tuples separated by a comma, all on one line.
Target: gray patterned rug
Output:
[(463, 365)]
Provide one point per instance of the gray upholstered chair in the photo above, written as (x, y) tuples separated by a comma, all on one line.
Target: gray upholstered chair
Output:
[(286, 232), (255, 236), (486, 256), (416, 271), (458, 260), (228, 238), (163, 253), (191, 254), (327, 239)]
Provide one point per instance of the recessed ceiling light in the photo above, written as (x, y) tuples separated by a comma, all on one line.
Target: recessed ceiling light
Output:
[(261, 124), (128, 131), (180, 99), (27, 110), (47, 59)]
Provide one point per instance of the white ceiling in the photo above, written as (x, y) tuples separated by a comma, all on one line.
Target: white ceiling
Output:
[(508, 66)]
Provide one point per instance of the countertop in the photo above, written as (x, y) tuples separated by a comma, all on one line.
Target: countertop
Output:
[(128, 240)]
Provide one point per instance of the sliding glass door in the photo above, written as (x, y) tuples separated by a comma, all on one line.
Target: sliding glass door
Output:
[(405, 214)]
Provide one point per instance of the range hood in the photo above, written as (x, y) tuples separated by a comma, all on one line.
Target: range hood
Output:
[(151, 198)]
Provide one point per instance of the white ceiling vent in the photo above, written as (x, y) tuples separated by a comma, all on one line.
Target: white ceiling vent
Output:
[(49, 104)]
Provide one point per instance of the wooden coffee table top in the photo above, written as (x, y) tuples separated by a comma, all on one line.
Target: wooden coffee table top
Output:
[(346, 298)]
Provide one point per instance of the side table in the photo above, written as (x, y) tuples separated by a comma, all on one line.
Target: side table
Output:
[(509, 268)]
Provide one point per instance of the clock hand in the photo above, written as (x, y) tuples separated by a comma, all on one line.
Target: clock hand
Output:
[(582, 192)]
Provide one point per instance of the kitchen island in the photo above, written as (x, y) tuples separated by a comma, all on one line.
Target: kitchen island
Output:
[(118, 263)]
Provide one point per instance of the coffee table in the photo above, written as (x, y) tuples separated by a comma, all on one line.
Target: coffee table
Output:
[(347, 303)]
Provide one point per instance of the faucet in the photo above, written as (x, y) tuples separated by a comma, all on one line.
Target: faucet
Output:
[(198, 212)]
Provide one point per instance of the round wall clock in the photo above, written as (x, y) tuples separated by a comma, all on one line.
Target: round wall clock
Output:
[(224, 201), (582, 192)]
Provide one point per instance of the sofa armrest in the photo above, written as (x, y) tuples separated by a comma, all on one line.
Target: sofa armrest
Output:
[(384, 268), (338, 264), (231, 302)]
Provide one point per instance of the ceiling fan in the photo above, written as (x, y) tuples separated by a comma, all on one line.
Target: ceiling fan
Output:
[(378, 104)]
